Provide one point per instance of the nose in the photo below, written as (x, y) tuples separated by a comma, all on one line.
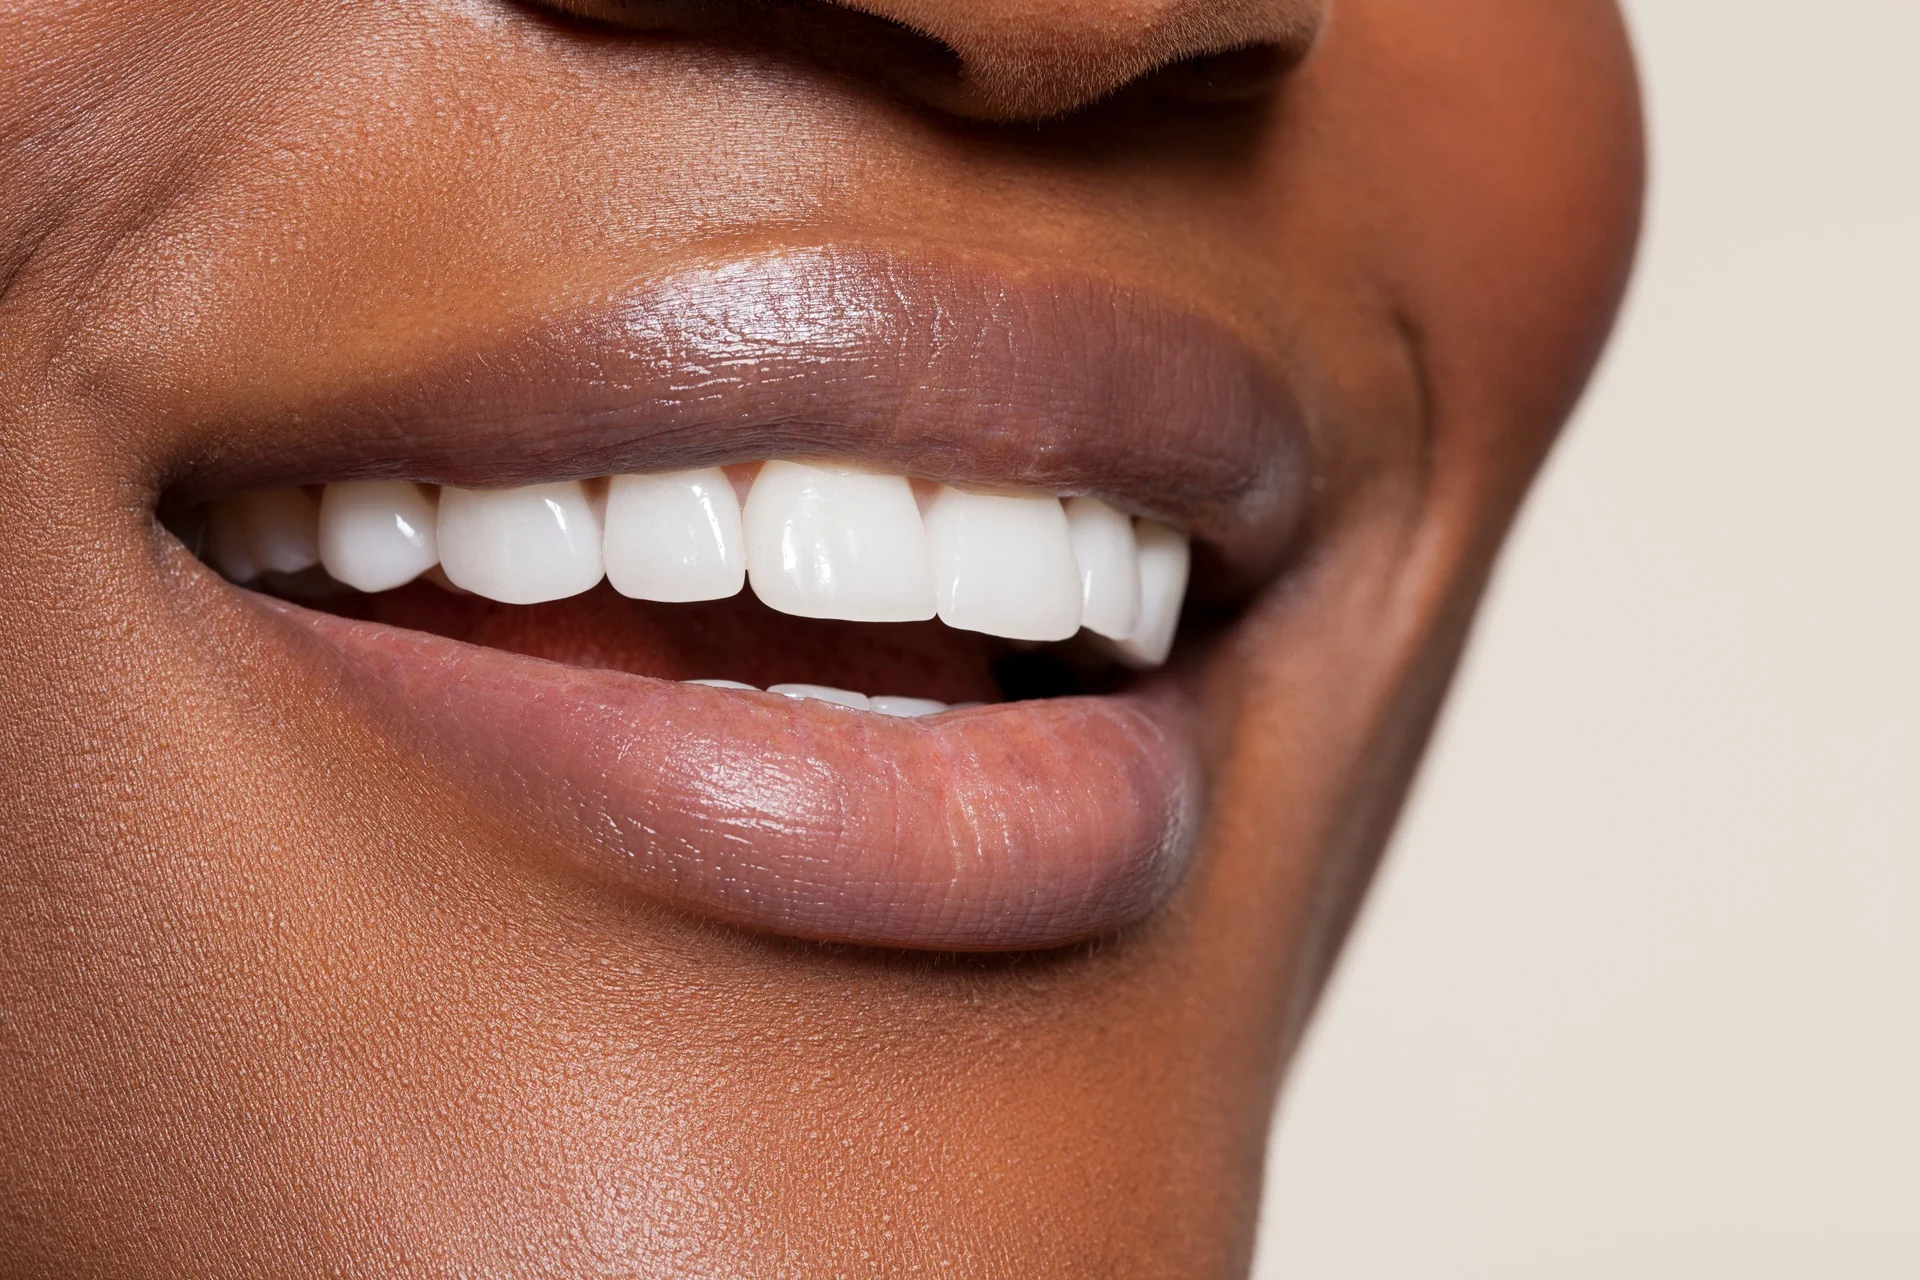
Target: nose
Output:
[(1006, 60), (1028, 59)]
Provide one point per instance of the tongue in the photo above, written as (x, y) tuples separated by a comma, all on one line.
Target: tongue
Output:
[(736, 639)]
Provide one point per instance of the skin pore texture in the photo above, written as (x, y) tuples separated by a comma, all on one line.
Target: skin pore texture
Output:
[(289, 986)]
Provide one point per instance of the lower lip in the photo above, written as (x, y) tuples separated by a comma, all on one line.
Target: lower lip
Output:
[(1016, 827)]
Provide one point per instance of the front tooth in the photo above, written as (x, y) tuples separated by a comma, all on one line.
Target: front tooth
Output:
[(283, 529), (837, 542), (675, 537), (889, 705), (520, 546), (726, 684), (1164, 560), (377, 534), (1109, 560), (1003, 564), (823, 693)]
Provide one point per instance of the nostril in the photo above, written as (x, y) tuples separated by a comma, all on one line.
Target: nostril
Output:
[(839, 37), (1031, 59), (1006, 60), (1224, 78)]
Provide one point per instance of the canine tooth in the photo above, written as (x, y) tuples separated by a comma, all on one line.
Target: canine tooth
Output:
[(1165, 557), (888, 705), (725, 684), (675, 537), (822, 693), (227, 541), (1109, 561), (377, 534), (283, 529), (520, 546), (1003, 564), (837, 542)]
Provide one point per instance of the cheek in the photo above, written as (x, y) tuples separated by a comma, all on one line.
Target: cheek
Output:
[(1494, 150)]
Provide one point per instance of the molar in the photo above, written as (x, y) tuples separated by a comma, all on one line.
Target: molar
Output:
[(1109, 560), (267, 531), (521, 546), (377, 534), (837, 542), (285, 529), (1004, 564), (1165, 558), (227, 539), (675, 537)]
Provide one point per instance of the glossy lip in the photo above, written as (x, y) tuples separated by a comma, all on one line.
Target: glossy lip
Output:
[(946, 368), (1020, 826), (1016, 827)]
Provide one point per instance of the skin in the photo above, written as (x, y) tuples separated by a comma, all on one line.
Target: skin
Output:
[(274, 1001)]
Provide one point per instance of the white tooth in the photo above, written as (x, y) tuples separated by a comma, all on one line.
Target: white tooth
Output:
[(888, 705), (377, 534), (675, 537), (283, 529), (1164, 560), (822, 693), (837, 542), (1003, 564), (227, 541), (725, 684), (520, 546), (1109, 563)]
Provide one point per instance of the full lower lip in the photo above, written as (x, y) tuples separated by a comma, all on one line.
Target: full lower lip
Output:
[(1021, 826)]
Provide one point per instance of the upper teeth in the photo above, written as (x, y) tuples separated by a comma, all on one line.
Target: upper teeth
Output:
[(816, 540)]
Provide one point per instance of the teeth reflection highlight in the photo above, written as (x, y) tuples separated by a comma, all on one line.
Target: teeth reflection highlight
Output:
[(1164, 561), (837, 542), (823, 693), (377, 534), (1109, 560), (1003, 564), (520, 546), (675, 537)]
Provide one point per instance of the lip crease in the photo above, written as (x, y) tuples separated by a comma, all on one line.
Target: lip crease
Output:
[(1024, 825)]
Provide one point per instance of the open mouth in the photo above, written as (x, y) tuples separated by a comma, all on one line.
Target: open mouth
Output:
[(1033, 596), (771, 598)]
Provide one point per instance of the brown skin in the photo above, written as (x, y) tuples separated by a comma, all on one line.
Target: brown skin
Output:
[(272, 1001)]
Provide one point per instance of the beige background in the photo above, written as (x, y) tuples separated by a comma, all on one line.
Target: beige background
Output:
[(1638, 994)]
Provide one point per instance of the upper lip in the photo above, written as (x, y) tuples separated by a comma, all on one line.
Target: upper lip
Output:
[(943, 367)]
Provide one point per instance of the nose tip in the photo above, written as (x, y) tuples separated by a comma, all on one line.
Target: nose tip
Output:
[(1030, 59)]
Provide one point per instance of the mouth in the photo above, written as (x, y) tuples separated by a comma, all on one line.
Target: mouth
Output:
[(837, 594)]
